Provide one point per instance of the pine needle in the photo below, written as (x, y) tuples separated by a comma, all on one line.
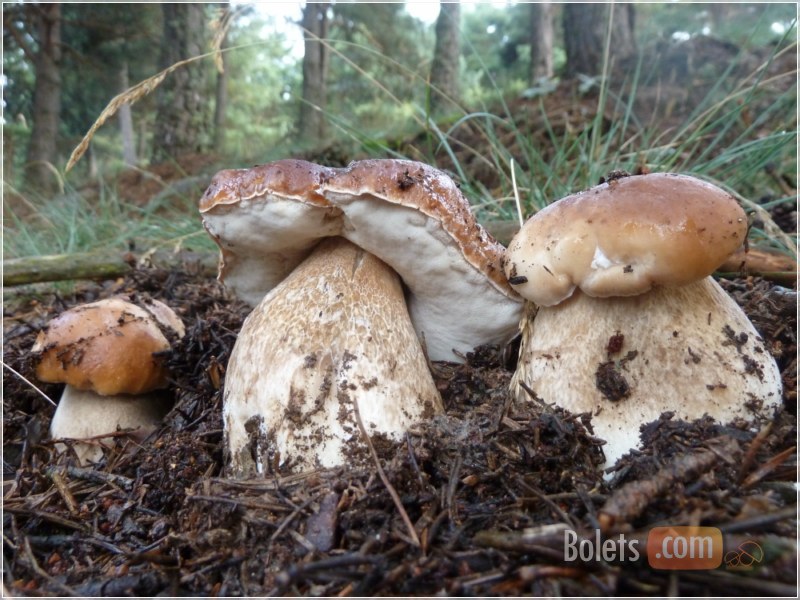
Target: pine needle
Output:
[(392, 492)]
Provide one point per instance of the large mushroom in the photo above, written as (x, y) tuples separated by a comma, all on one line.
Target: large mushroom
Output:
[(341, 327), (109, 354), (624, 320)]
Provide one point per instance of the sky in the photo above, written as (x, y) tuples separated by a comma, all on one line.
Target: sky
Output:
[(287, 14), (291, 13)]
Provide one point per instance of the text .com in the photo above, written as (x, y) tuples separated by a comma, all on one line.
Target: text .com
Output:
[(679, 547)]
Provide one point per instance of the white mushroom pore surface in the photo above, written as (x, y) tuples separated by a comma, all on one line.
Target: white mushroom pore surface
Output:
[(106, 353), (341, 327), (624, 320)]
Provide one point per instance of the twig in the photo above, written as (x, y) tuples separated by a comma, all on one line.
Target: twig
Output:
[(96, 476), (62, 488), (632, 499), (750, 455), (767, 467), (759, 521), (271, 506), (392, 492), (67, 591)]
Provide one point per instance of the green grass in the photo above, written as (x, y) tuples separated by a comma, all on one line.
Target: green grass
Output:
[(741, 133), (72, 223)]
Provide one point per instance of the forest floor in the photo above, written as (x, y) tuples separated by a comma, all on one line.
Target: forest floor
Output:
[(490, 487)]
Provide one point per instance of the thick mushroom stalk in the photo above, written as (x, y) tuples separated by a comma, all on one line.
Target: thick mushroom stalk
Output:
[(624, 320), (333, 342), (626, 360), (86, 415), (106, 353)]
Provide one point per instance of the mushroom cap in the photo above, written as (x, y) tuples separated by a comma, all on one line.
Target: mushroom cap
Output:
[(623, 237), (266, 220), (107, 347)]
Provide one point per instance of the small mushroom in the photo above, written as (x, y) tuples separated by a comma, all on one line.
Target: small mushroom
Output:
[(341, 327), (106, 353), (624, 320)]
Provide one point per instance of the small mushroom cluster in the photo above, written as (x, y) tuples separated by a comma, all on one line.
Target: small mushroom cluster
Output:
[(623, 319), (358, 276)]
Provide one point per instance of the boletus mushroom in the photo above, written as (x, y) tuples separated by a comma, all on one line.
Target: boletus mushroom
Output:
[(109, 355), (355, 274), (624, 320)]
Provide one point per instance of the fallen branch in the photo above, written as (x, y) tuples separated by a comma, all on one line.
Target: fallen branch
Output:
[(97, 265), (108, 265), (632, 499)]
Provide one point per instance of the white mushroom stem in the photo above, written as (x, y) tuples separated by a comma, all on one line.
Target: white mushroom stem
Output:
[(333, 335), (84, 414), (688, 349)]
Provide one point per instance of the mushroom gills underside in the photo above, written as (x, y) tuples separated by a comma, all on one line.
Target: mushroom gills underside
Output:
[(689, 349), (332, 339)]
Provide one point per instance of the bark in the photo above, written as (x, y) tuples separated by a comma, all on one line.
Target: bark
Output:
[(42, 149), (312, 126), (541, 40), (220, 105), (221, 91), (125, 116), (585, 29), (182, 119), (98, 265), (444, 68)]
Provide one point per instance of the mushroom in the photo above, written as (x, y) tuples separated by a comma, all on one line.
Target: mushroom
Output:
[(106, 354), (341, 327), (624, 320)]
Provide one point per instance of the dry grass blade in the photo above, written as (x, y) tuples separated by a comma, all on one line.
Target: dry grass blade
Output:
[(220, 26), (412, 532), (22, 377), (129, 96)]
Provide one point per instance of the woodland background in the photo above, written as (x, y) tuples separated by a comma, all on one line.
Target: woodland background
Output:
[(534, 100), (370, 80)]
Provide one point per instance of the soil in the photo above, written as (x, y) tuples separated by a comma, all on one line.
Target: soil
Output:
[(490, 488)]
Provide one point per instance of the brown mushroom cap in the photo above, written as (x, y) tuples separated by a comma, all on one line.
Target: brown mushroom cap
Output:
[(623, 237), (266, 220), (106, 347)]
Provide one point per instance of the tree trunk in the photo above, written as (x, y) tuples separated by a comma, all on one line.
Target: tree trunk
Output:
[(182, 119), (541, 39), (585, 29), (220, 104), (312, 125), (125, 116), (42, 149), (221, 91), (444, 69)]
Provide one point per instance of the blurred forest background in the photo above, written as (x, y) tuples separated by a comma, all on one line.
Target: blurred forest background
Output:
[(557, 93)]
